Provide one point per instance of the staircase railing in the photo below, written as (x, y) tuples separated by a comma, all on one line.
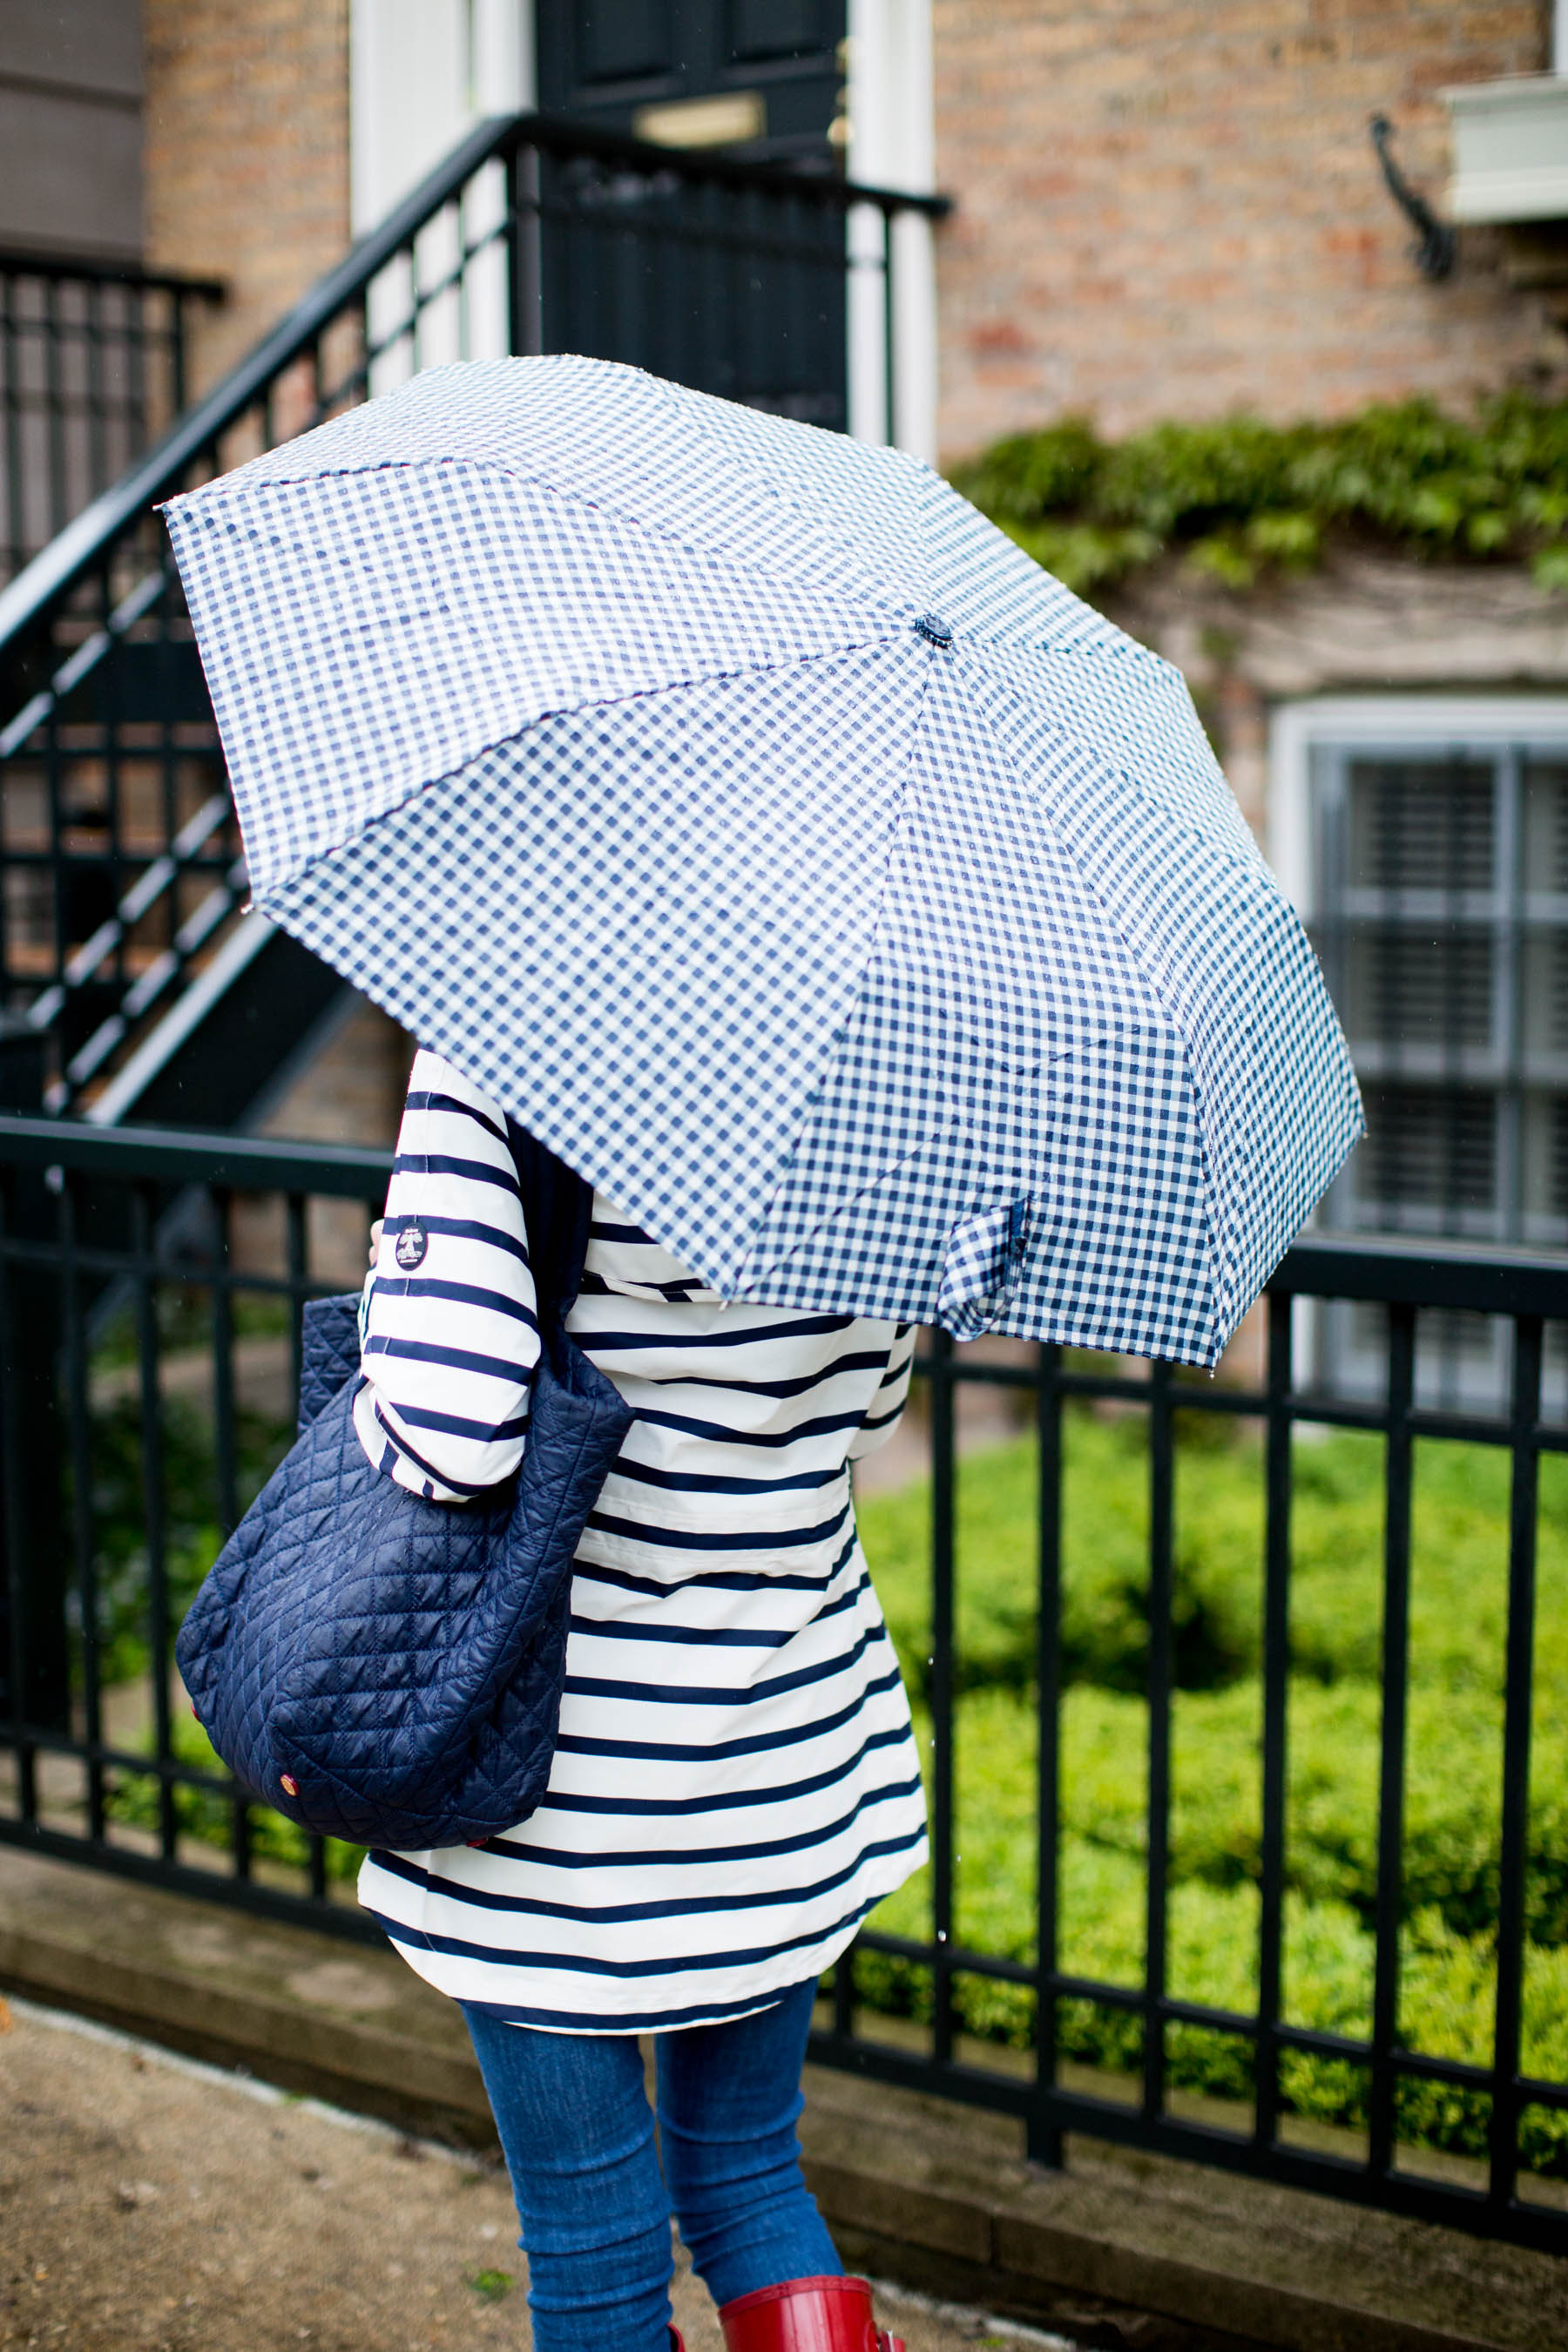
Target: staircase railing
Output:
[(122, 871), (92, 370)]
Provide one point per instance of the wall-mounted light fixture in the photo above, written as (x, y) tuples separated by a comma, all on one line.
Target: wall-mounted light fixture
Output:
[(1437, 249)]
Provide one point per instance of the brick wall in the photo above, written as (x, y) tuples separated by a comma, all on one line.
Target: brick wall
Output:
[(1172, 208), (353, 1087), (247, 155)]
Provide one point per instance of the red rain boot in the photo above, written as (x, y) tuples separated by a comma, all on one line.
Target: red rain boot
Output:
[(810, 2315)]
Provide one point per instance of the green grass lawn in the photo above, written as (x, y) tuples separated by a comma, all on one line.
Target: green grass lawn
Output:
[(1454, 1754)]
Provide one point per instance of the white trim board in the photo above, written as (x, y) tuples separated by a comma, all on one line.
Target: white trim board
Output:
[(892, 128), (1390, 721), (421, 73)]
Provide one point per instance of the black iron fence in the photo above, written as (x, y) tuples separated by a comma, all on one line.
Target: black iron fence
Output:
[(92, 369), (120, 874), (1352, 1976)]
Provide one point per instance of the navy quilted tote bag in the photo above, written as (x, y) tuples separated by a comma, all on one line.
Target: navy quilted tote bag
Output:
[(387, 1670)]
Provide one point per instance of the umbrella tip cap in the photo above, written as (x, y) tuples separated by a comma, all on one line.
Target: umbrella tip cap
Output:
[(934, 629)]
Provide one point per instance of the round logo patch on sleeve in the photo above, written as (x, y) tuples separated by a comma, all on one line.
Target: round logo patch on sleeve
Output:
[(412, 1244)]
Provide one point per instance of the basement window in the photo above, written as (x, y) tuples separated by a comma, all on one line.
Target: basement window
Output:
[(1424, 842)]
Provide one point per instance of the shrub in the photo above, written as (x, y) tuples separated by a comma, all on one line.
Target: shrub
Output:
[(1452, 1798), (1105, 1624), (188, 1462), (1447, 1979), (208, 1817), (1458, 1586), (1237, 496)]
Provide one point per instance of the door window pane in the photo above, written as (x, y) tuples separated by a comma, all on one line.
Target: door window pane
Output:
[(773, 29)]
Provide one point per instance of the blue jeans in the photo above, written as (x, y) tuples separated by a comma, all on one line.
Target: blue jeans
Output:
[(575, 2125)]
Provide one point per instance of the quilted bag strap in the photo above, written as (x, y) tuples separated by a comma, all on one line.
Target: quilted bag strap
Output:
[(557, 1210)]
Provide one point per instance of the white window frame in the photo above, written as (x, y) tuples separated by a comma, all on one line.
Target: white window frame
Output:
[(1392, 723), (1379, 722), (421, 74), (892, 144)]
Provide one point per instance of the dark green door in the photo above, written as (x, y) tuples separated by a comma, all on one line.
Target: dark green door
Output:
[(739, 291), (761, 75)]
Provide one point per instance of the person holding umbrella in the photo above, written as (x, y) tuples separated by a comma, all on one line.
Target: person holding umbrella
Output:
[(866, 921), (735, 1779)]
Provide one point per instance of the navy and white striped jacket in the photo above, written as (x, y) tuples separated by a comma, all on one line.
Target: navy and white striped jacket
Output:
[(736, 1781)]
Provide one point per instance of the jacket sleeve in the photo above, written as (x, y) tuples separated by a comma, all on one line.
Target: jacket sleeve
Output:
[(883, 1412), (449, 1336)]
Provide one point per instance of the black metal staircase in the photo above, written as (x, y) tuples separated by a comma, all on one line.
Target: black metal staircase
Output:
[(93, 368), (124, 943)]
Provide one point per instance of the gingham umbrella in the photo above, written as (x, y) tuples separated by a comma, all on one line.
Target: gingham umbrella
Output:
[(862, 912)]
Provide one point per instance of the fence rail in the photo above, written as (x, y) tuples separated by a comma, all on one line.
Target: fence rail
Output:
[(151, 1290)]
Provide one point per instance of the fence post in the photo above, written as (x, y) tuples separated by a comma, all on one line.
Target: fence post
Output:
[(943, 1450), (35, 1645), (1043, 2138)]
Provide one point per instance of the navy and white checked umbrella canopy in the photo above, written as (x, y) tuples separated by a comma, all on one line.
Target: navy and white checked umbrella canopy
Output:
[(862, 912)]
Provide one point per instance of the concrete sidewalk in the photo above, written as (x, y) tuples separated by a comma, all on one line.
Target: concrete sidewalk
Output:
[(914, 2187), (150, 2204)]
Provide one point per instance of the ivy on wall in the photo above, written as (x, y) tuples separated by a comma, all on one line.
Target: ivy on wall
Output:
[(1240, 499)]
